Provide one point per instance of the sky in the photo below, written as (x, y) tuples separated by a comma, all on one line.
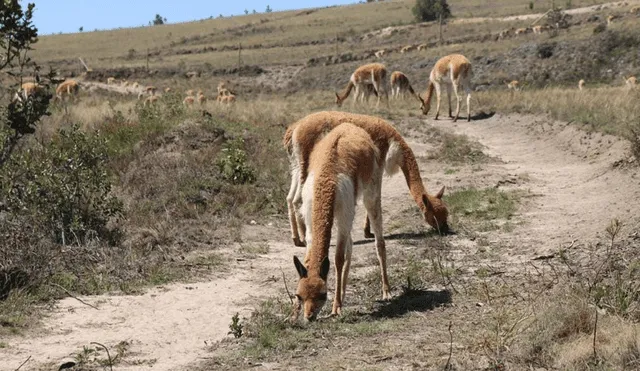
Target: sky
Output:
[(53, 16)]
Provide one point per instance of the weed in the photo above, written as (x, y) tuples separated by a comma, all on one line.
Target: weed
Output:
[(232, 163), (235, 327), (482, 206), (458, 149), (255, 249)]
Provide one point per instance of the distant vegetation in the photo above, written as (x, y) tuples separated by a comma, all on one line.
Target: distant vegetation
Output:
[(431, 10), (158, 20)]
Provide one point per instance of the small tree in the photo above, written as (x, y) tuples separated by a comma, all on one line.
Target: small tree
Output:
[(431, 10), (268, 10), (81, 29), (246, 11), (19, 117), (158, 20)]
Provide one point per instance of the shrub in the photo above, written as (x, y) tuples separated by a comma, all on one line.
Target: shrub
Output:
[(232, 163), (545, 50), (63, 186), (600, 28), (431, 10)]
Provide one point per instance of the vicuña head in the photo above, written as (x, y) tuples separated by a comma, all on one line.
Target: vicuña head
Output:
[(312, 288), (435, 211)]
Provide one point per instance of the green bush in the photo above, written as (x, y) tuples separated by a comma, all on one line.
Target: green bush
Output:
[(64, 186), (430, 10), (232, 163)]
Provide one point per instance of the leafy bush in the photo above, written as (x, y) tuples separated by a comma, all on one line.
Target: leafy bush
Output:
[(545, 50), (64, 186), (430, 10), (232, 163)]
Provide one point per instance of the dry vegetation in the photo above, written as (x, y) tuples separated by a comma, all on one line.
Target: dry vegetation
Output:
[(189, 178)]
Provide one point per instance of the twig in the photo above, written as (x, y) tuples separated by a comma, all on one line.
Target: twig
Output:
[(447, 367), (595, 332), (73, 296), (22, 364), (108, 355), (284, 279)]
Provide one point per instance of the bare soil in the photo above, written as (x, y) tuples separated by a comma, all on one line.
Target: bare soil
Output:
[(575, 182)]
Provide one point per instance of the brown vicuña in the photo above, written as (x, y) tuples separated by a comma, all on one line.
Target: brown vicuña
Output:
[(188, 100), (400, 85), (68, 88), (630, 81), (513, 85), (228, 99), (453, 70), (150, 100), (343, 166), (27, 90), (301, 137), (151, 90), (372, 73), (201, 98)]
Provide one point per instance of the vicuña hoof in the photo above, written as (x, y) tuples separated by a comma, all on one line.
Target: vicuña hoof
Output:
[(299, 243), (369, 235)]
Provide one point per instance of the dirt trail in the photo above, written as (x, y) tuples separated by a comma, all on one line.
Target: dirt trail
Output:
[(168, 328), (575, 11), (572, 174)]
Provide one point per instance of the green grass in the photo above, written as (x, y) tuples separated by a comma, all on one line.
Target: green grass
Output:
[(254, 249), (458, 149), (488, 208)]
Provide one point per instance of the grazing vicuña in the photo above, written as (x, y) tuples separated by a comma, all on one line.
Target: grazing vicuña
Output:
[(343, 166), (455, 71), (372, 73), (301, 137)]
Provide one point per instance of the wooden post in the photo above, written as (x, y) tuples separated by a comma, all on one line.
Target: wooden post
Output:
[(239, 55), (147, 60), (84, 65), (337, 52), (440, 27), (539, 19)]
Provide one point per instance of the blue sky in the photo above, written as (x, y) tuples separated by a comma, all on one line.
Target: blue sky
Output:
[(53, 16)]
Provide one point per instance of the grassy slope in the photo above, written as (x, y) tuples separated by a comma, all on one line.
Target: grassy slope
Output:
[(110, 48)]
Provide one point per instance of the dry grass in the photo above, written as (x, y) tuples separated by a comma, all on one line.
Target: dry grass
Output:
[(612, 110), (290, 30)]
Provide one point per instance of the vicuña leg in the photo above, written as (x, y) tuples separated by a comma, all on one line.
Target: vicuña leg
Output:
[(344, 223), (468, 91), (295, 180), (367, 228), (297, 205), (374, 210), (437, 85), (456, 91), (449, 99)]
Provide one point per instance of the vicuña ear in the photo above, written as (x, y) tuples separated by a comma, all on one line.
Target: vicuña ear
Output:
[(441, 193), (302, 271), (426, 202), (324, 268)]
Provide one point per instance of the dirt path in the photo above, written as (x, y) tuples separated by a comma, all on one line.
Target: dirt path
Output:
[(575, 11), (571, 173)]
